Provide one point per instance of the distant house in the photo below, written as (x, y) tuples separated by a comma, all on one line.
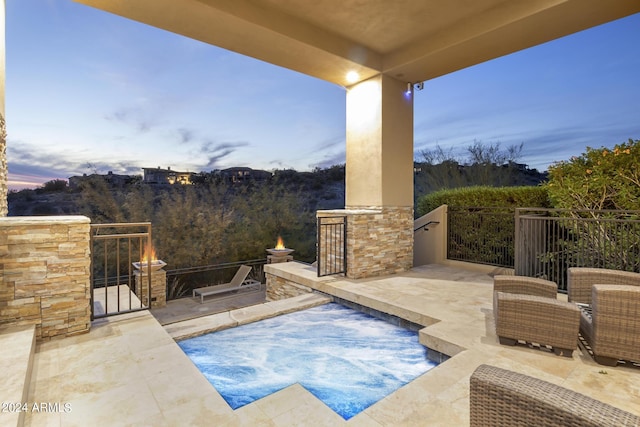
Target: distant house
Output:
[(112, 179), (240, 174), (166, 176)]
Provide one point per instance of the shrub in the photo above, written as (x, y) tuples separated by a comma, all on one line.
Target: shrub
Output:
[(54, 186), (485, 197)]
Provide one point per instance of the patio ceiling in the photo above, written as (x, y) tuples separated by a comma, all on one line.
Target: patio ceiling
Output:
[(410, 40)]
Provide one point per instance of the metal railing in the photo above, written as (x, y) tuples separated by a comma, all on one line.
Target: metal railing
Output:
[(482, 235), (549, 241), (114, 249), (332, 245), (182, 281), (425, 227)]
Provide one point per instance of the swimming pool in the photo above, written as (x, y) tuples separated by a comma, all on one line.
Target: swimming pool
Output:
[(346, 358)]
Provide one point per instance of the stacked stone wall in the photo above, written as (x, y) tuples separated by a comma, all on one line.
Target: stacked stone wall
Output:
[(4, 179), (279, 288), (45, 274), (379, 240), (158, 288)]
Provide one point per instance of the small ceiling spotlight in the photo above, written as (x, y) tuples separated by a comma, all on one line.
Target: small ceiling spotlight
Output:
[(352, 76), (409, 88)]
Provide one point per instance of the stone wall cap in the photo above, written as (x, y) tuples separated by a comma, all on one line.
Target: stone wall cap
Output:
[(41, 220), (342, 212)]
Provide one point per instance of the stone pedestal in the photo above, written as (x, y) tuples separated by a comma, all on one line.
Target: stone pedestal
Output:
[(273, 259), (158, 287)]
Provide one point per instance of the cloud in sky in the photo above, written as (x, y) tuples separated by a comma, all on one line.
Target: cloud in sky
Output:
[(31, 166), (87, 87), (138, 118), (186, 135), (218, 151)]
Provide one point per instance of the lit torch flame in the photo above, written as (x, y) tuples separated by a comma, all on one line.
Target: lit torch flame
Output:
[(280, 244)]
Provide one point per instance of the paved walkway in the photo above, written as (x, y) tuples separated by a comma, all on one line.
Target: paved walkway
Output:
[(129, 371)]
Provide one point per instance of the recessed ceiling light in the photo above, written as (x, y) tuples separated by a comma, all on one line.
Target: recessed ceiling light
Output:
[(352, 76)]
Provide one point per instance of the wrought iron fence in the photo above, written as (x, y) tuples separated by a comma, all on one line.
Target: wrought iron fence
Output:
[(332, 245), (549, 241), (182, 281), (482, 235), (114, 249)]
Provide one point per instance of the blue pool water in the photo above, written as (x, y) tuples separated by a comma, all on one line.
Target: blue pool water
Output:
[(346, 358)]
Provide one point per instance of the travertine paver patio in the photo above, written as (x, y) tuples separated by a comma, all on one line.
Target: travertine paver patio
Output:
[(129, 371)]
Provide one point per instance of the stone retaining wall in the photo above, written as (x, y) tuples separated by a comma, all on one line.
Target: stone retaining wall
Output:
[(279, 288), (45, 274)]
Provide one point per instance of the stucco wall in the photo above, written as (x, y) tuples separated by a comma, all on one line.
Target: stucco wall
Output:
[(45, 274)]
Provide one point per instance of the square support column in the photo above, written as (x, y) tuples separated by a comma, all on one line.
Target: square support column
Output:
[(379, 178), (379, 169)]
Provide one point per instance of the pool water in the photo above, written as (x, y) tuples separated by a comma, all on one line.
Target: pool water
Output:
[(347, 359)]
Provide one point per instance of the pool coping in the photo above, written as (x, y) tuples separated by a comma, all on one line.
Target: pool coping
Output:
[(242, 316)]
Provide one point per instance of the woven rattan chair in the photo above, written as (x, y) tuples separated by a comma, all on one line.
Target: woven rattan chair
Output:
[(525, 285), (581, 279), (499, 397), (610, 322), (526, 309)]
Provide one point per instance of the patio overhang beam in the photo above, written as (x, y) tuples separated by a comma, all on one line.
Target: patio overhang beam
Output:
[(436, 38)]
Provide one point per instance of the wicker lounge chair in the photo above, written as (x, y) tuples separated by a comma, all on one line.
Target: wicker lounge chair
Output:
[(499, 397), (526, 309), (610, 320), (237, 283)]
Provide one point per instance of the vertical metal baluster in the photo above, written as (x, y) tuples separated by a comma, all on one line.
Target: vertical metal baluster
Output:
[(118, 273)]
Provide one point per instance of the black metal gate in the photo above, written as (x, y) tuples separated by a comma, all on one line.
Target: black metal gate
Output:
[(115, 286), (332, 245)]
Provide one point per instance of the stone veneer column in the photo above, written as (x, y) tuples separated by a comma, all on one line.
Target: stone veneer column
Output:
[(158, 287), (379, 178), (45, 274), (4, 179), (379, 240)]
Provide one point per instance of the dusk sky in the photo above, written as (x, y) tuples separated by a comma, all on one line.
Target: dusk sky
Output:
[(87, 91)]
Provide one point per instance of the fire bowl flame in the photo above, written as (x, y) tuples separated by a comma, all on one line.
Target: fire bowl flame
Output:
[(155, 265), (280, 250)]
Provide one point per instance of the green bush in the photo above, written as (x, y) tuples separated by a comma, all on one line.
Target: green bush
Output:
[(481, 220), (54, 186), (502, 197), (605, 180)]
